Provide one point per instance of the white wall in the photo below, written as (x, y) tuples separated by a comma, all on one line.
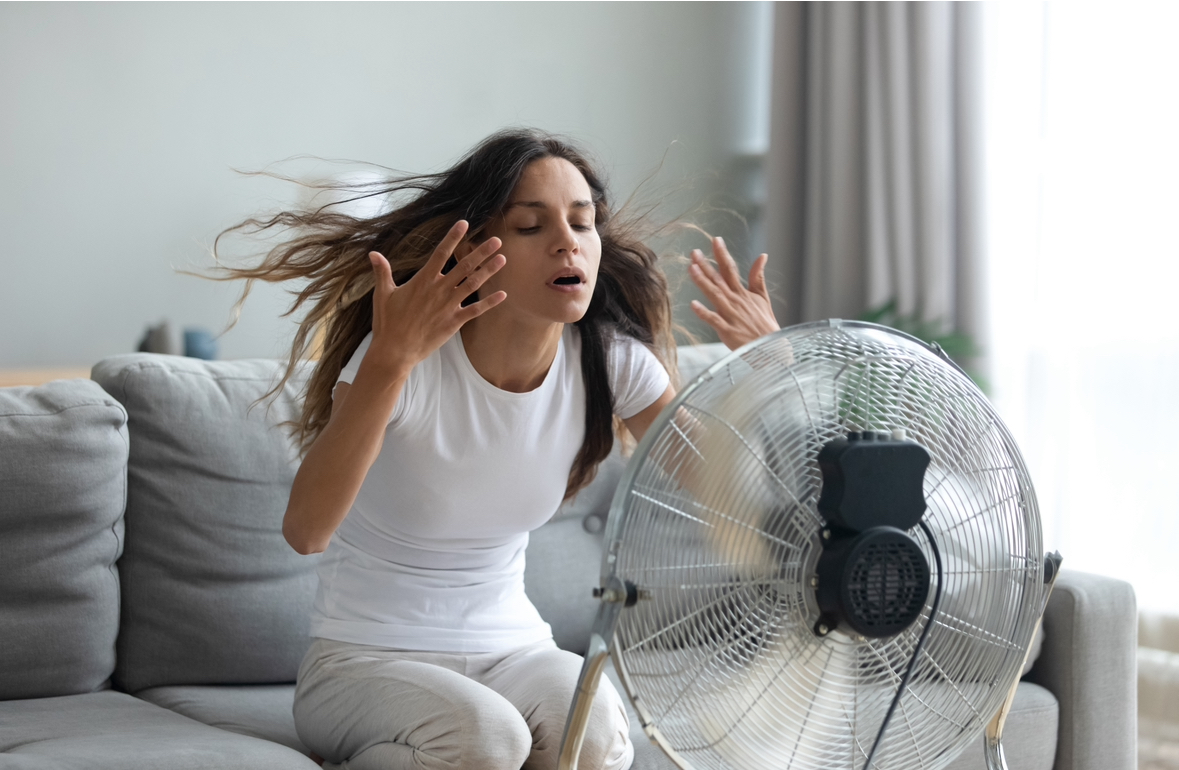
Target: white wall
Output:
[(121, 124)]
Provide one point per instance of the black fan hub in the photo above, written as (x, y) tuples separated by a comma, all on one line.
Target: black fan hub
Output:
[(872, 576), (875, 582)]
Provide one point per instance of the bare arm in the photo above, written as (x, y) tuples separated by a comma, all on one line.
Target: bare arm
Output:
[(682, 461), (742, 314), (409, 323), (335, 466), (641, 422)]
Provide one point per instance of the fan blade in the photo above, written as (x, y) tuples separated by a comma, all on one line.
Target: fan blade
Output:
[(601, 637)]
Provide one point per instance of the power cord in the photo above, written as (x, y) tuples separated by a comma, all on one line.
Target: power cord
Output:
[(937, 600)]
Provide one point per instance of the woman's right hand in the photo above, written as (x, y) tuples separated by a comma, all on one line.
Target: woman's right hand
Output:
[(410, 321), (414, 319)]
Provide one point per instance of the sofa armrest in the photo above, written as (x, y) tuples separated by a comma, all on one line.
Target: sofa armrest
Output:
[(1089, 663)]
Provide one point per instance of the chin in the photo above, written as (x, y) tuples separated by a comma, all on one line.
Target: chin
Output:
[(576, 314), (569, 313)]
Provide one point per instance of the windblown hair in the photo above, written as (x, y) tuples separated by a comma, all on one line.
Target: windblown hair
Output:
[(328, 249)]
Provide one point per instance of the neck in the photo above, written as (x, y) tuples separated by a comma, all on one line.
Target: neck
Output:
[(512, 356)]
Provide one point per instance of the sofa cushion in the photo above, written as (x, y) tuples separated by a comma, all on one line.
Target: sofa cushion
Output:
[(260, 710), (63, 472), (692, 360), (1029, 734), (212, 593), (112, 730)]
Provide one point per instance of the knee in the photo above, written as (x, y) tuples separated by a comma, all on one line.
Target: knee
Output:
[(493, 738), (607, 743)]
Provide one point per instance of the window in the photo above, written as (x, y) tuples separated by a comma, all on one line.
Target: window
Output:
[(1083, 207)]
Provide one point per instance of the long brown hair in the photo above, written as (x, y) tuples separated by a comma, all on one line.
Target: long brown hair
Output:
[(328, 250)]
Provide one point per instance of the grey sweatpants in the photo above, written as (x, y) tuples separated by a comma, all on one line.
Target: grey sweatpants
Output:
[(371, 708)]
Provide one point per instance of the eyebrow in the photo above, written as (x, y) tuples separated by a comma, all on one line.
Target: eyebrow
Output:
[(541, 204)]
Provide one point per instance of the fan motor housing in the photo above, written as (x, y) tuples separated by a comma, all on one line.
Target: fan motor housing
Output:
[(875, 582), (871, 481), (872, 576)]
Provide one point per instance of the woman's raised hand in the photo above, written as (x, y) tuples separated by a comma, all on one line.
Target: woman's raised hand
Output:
[(414, 319), (742, 314)]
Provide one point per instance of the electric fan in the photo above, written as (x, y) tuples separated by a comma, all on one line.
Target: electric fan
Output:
[(825, 553)]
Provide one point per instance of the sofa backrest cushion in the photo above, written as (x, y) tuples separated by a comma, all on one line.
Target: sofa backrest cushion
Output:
[(63, 484), (212, 593)]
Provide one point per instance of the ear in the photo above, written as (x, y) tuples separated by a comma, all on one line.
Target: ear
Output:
[(465, 247), (471, 241)]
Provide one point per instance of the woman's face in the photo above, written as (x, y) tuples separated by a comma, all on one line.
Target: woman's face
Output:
[(550, 243)]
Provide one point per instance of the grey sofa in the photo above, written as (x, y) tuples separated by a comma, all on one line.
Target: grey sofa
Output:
[(151, 615)]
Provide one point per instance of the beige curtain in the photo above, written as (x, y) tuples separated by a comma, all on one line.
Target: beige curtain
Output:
[(873, 175)]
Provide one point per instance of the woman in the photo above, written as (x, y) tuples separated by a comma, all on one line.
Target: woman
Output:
[(480, 340)]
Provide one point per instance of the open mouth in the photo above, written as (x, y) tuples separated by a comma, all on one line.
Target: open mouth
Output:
[(567, 280)]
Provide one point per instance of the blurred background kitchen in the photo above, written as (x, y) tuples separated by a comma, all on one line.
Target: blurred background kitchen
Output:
[(999, 177)]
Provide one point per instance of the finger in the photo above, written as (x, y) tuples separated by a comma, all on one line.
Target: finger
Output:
[(712, 289), (715, 320), (478, 256), (705, 269), (476, 309), (480, 275), (726, 264), (446, 247), (382, 272), (757, 276)]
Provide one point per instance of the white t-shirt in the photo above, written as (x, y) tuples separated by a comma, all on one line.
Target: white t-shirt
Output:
[(431, 555)]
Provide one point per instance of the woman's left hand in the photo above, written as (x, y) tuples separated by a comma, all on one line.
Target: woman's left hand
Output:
[(742, 314)]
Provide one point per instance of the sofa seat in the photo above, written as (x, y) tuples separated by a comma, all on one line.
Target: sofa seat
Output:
[(1029, 734), (265, 712), (108, 729), (260, 710)]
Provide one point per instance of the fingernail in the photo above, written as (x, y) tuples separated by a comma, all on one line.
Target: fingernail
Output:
[(720, 240)]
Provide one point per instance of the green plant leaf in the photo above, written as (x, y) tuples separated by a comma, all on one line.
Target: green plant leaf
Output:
[(957, 345)]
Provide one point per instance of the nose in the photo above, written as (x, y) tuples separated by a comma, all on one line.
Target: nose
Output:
[(566, 241)]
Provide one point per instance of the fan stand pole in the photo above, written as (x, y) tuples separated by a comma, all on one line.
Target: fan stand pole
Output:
[(587, 681), (993, 748)]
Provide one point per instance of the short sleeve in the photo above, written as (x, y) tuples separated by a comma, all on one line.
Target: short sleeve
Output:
[(348, 374), (637, 379)]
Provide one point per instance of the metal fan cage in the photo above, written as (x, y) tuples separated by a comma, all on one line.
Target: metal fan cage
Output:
[(716, 523)]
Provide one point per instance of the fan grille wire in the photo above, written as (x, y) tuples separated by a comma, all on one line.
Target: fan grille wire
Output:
[(722, 660)]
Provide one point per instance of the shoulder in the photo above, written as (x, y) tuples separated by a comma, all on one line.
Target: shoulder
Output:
[(637, 377), (427, 370), (626, 353)]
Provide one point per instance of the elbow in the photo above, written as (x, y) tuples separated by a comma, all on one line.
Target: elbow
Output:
[(307, 548), (301, 541)]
